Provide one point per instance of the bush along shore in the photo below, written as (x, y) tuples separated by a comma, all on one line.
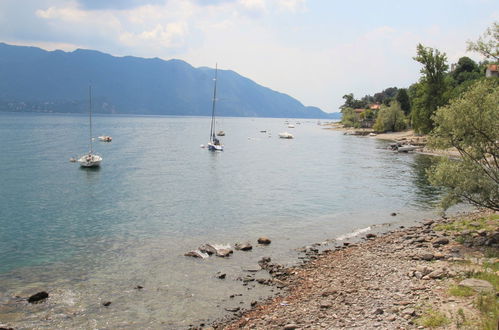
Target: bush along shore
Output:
[(441, 273)]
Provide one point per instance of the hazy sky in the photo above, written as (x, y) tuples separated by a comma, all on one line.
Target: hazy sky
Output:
[(313, 50)]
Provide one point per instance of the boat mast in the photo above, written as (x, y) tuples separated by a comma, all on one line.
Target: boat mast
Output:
[(212, 128), (90, 115)]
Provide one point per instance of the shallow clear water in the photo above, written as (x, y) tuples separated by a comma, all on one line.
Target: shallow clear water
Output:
[(89, 236)]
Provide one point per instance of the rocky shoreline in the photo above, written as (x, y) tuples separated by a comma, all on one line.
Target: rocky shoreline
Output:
[(407, 137), (386, 281)]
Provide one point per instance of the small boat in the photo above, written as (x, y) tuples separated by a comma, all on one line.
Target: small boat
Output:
[(214, 144), (406, 148), (105, 138), (291, 126), (286, 135), (372, 134), (90, 159), (221, 133)]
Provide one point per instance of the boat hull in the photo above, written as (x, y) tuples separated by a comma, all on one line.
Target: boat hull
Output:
[(215, 147), (90, 161), (286, 135)]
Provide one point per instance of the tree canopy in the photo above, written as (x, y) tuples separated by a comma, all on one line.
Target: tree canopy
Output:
[(488, 43), (390, 118), (431, 93), (470, 123)]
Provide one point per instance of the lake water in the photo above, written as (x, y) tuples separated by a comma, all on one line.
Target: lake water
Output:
[(90, 236)]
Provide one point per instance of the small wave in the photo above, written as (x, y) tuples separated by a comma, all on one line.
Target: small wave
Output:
[(353, 234)]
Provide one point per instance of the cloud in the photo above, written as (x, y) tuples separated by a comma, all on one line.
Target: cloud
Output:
[(316, 51), (169, 35), (292, 5), (115, 4)]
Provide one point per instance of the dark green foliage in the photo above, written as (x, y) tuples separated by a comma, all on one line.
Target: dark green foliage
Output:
[(351, 102), (386, 96), (432, 89), (403, 99), (466, 69)]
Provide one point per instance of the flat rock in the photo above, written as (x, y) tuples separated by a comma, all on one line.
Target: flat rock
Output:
[(477, 285), (224, 252), (290, 326), (427, 256)]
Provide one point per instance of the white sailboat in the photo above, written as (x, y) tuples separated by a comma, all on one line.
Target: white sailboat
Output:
[(90, 159), (214, 144)]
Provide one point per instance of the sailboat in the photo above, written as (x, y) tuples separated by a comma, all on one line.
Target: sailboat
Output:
[(90, 159), (214, 144)]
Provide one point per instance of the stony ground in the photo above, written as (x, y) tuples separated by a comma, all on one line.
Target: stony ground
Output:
[(385, 282)]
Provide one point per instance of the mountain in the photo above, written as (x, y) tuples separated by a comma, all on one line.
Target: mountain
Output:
[(32, 79)]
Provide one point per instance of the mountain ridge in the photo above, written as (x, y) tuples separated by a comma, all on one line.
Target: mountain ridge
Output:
[(37, 80)]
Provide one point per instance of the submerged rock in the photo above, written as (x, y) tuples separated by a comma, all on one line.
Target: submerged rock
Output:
[(219, 250), (38, 297), (264, 240), (244, 246), (196, 254)]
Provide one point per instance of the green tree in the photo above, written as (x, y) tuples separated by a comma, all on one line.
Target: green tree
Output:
[(433, 87), (470, 123), (466, 69), (352, 102), (488, 43), (403, 99), (349, 118), (390, 118)]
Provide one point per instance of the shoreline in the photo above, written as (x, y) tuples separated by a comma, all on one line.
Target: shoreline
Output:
[(386, 280), (405, 137)]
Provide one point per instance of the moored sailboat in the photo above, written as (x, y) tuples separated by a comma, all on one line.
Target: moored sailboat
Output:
[(214, 144), (90, 159)]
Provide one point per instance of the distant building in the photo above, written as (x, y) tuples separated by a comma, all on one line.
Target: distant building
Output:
[(374, 106), (492, 70), (359, 111)]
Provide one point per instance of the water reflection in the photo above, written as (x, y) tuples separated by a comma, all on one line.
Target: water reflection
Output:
[(426, 195)]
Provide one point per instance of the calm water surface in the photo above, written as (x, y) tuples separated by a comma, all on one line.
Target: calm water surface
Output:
[(89, 236)]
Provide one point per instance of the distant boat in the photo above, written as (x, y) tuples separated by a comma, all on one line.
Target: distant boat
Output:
[(90, 159), (105, 138), (286, 135), (214, 144), (291, 126), (220, 133)]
